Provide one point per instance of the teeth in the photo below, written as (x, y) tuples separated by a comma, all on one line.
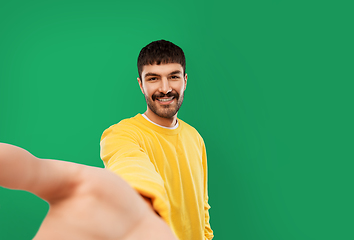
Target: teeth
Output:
[(165, 99)]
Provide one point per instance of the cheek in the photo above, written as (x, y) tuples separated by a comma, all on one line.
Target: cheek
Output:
[(181, 88), (178, 86), (149, 91)]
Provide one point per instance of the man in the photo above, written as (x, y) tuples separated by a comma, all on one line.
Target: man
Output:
[(82, 203), (162, 157)]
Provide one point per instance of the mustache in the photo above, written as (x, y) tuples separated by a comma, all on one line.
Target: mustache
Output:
[(173, 93)]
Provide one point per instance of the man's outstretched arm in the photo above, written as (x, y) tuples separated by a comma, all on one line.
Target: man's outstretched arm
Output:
[(20, 170), (85, 202)]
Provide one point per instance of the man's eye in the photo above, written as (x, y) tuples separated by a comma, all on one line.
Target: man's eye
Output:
[(174, 77), (152, 79)]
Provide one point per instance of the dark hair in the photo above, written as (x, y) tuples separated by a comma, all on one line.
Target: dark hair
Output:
[(158, 52)]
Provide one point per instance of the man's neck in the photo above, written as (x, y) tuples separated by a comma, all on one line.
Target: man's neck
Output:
[(166, 122)]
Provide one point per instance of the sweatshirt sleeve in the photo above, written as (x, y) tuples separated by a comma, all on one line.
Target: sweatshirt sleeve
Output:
[(122, 154), (208, 233)]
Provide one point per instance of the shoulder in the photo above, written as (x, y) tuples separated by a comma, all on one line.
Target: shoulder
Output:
[(190, 130), (126, 126)]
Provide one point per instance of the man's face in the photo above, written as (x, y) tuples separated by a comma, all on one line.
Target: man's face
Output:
[(163, 87)]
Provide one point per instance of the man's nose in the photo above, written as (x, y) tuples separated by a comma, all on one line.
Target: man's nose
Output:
[(165, 86)]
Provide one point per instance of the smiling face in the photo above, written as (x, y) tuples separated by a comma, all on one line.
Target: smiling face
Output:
[(163, 87)]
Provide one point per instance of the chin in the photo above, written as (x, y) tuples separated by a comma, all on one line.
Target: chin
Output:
[(167, 111), (165, 114)]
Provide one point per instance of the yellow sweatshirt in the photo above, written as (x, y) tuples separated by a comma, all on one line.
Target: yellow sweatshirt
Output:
[(168, 166)]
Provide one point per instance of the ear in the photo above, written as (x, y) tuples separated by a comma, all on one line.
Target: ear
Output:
[(141, 85), (185, 81)]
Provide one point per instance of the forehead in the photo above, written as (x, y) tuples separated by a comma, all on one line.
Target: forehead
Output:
[(162, 69)]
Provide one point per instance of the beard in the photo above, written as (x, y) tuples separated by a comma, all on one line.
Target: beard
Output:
[(165, 111)]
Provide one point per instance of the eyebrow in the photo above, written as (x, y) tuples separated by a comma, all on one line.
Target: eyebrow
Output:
[(175, 72), (154, 74), (150, 74)]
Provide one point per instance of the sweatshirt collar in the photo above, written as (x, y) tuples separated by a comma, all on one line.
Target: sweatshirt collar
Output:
[(161, 129)]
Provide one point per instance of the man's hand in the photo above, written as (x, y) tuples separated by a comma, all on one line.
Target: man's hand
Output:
[(85, 202)]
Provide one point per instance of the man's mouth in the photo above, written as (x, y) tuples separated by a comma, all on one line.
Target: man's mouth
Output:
[(165, 99)]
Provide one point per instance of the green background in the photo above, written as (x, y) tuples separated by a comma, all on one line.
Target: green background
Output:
[(270, 89)]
